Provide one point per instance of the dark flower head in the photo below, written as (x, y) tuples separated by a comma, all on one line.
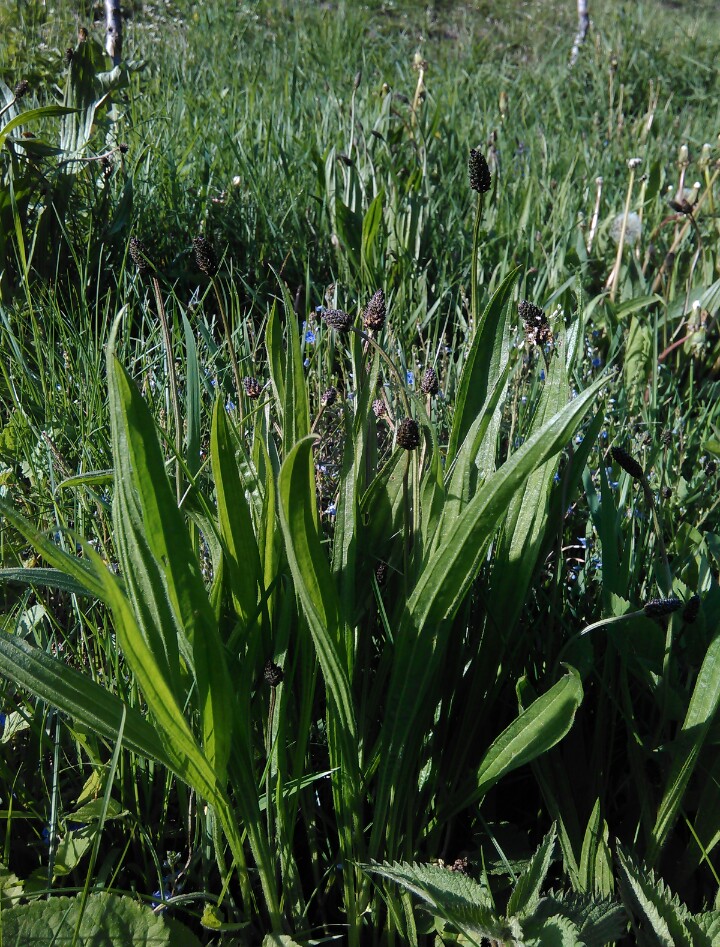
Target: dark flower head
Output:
[(139, 256), (429, 382), (627, 463), (537, 327), (253, 388), (375, 312), (328, 397), (657, 607), (21, 89), (205, 256), (273, 673), (123, 148), (338, 320), (480, 180), (408, 434)]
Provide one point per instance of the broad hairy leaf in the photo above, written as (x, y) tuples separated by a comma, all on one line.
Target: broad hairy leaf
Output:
[(450, 895), (107, 921), (526, 892)]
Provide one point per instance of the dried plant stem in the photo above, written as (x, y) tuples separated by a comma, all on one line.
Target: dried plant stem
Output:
[(172, 381), (596, 213), (613, 279), (680, 236), (233, 359)]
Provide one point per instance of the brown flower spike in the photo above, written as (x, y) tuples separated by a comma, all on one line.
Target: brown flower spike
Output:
[(408, 434), (479, 171), (375, 312)]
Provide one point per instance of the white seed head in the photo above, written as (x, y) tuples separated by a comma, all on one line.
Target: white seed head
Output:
[(633, 228)]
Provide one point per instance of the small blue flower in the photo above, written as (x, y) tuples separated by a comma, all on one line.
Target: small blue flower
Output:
[(603, 435), (230, 405), (583, 541), (310, 337), (320, 310), (556, 478), (596, 362), (306, 363), (331, 510), (579, 439), (542, 374), (410, 377), (160, 896)]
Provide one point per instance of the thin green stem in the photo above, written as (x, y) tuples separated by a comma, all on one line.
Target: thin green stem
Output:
[(474, 313)]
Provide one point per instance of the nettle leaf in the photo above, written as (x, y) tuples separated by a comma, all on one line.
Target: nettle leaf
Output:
[(107, 921), (526, 894), (660, 913), (553, 932), (599, 921), (451, 895)]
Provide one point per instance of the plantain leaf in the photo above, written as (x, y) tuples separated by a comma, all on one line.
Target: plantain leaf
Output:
[(79, 697), (700, 714), (161, 568), (236, 527), (482, 369)]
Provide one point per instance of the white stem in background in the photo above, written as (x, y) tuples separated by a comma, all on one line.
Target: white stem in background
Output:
[(583, 26), (113, 31)]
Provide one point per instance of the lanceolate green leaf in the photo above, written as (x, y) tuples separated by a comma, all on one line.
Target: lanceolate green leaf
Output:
[(146, 515), (314, 585), (79, 697), (45, 111), (70, 565), (316, 591), (537, 729), (483, 363), (523, 530), (235, 522), (700, 714), (447, 576), (443, 583)]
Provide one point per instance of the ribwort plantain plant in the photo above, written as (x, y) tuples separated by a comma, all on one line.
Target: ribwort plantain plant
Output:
[(198, 652)]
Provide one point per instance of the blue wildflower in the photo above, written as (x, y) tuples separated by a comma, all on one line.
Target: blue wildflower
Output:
[(331, 510), (542, 374), (310, 337), (596, 362), (410, 377), (230, 405)]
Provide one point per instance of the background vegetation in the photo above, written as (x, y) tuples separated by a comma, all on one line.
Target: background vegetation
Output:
[(327, 653)]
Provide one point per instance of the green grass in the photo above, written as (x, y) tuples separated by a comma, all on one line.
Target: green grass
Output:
[(323, 153)]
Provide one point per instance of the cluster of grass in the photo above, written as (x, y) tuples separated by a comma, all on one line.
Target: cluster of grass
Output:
[(301, 586)]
